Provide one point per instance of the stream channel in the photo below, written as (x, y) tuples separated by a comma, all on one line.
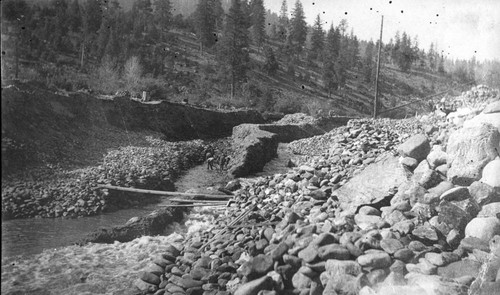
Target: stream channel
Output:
[(32, 236)]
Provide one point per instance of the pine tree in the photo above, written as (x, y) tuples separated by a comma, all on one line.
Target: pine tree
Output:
[(441, 65), (258, 19), (405, 58), (330, 60), (298, 27), (271, 65), (218, 12), (343, 27), (395, 53), (233, 55), (246, 13), (283, 22), (317, 38), (471, 65), (368, 61), (415, 51), (206, 21), (432, 57), (353, 50)]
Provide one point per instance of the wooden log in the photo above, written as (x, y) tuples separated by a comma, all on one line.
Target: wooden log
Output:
[(161, 193), (197, 201), (193, 205)]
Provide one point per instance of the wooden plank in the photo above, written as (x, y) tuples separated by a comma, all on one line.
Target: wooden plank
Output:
[(160, 193), (197, 201), (194, 205)]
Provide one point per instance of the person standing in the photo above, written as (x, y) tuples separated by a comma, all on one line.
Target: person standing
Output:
[(222, 161), (210, 163)]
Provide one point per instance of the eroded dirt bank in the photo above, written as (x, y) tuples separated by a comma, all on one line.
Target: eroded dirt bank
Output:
[(57, 148)]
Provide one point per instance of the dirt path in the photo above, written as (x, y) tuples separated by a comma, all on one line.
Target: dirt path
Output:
[(280, 163), (200, 179)]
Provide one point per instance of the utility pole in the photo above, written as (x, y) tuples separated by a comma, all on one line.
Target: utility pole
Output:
[(375, 103)]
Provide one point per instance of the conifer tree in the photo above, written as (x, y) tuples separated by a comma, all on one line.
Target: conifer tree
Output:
[(368, 61), (405, 56), (441, 66), (298, 27), (432, 57), (317, 38), (258, 20), (396, 49), (206, 22), (233, 55), (330, 60), (415, 51), (283, 22), (353, 49), (271, 65)]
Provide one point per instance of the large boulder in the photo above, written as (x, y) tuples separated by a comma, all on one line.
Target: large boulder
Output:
[(417, 147), (493, 107), (490, 210), (253, 149), (469, 150), (149, 225), (483, 228), (253, 287), (483, 193), (456, 215), (491, 173), (477, 121), (256, 144), (373, 184), (433, 284)]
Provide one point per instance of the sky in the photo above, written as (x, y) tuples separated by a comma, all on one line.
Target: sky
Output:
[(461, 29)]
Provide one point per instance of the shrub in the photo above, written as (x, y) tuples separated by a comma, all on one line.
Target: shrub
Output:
[(105, 79), (287, 105), (132, 73)]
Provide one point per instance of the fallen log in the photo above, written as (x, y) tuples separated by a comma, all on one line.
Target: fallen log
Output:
[(161, 193), (197, 201), (192, 205)]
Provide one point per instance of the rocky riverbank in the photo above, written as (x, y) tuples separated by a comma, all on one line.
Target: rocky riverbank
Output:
[(71, 193), (371, 208)]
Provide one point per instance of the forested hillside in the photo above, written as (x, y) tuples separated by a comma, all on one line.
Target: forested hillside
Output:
[(216, 53)]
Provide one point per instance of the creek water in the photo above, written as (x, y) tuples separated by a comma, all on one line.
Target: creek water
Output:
[(38, 256), (32, 236)]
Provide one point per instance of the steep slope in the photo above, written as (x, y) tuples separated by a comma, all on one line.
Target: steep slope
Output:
[(40, 125)]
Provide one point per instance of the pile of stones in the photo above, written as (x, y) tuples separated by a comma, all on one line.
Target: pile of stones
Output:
[(297, 118), (436, 232), (349, 149)]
